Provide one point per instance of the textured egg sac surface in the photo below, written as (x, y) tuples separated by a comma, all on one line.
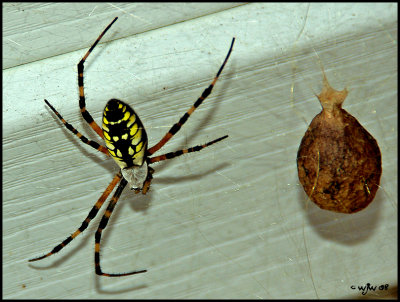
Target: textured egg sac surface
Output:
[(338, 161)]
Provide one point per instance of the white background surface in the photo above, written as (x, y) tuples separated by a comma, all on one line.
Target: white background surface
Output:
[(230, 221)]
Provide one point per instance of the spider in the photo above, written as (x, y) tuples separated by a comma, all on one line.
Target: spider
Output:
[(125, 141)]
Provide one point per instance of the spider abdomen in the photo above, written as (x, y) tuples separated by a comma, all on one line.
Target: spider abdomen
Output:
[(124, 134)]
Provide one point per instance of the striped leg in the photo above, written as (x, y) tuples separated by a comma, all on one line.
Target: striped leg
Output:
[(82, 104), (93, 144), (102, 226), (184, 151), (175, 128), (86, 222), (146, 184)]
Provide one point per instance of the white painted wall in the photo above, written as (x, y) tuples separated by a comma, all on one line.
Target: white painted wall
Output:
[(230, 221)]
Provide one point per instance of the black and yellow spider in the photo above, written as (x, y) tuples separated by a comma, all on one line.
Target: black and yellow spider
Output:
[(126, 142)]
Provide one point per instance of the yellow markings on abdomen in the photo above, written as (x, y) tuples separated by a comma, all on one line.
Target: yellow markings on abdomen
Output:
[(132, 119), (109, 145), (136, 138), (105, 128), (139, 147), (126, 116), (124, 135), (133, 129)]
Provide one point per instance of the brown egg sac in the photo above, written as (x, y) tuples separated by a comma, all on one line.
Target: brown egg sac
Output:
[(338, 162)]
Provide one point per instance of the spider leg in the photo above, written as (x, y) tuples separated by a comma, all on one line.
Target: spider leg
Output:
[(146, 184), (86, 222), (176, 127), (82, 104), (102, 226), (184, 151), (93, 144)]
